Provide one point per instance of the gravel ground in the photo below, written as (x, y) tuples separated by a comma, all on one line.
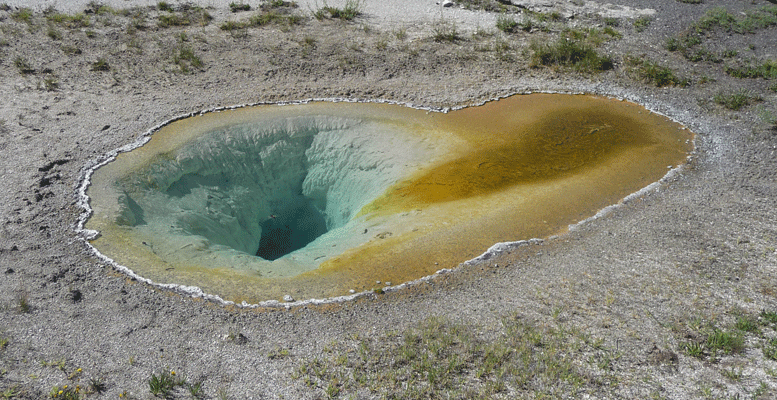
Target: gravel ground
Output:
[(700, 246)]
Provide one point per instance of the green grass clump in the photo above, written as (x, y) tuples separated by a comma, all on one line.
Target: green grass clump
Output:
[(164, 6), (506, 24), (185, 58), (440, 359), (79, 20), (641, 23), (23, 15), (237, 7), (569, 53), (163, 384), (351, 10), (735, 101), (101, 65), (23, 66), (770, 349), (654, 73), (767, 70), (446, 32)]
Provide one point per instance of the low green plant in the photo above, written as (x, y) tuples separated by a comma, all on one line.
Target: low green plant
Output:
[(185, 58), (164, 6), (725, 341), (767, 70), (768, 317), (237, 7), (54, 34), (277, 353), (79, 20), (50, 83), (167, 20), (770, 349), (349, 12), (163, 384), (610, 21), (101, 65), (641, 23), (506, 24), (23, 66), (97, 385), (735, 101), (3, 342), (652, 72), (196, 390), (747, 324), (66, 392), (445, 31), (569, 53), (23, 15)]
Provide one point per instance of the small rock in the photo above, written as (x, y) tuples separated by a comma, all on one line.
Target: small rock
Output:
[(351, 291), (447, 3), (388, 283), (287, 298)]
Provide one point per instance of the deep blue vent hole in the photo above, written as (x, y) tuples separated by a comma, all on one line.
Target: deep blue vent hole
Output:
[(293, 227)]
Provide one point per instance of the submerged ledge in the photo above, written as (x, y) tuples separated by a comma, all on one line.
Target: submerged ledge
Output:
[(196, 291)]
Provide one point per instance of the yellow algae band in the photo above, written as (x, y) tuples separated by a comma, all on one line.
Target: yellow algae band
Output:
[(314, 200)]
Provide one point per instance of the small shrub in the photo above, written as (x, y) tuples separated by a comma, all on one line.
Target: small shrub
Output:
[(101, 65), (97, 385), (735, 101), (768, 317), (3, 343), (641, 23)]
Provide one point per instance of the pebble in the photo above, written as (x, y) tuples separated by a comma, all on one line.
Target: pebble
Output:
[(288, 298)]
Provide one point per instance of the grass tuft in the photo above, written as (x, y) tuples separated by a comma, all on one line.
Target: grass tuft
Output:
[(735, 101), (101, 65), (654, 73), (570, 53)]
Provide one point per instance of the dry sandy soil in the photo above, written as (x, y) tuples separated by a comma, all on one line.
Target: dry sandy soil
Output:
[(648, 278)]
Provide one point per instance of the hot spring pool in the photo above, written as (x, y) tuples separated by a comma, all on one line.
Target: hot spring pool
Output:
[(315, 200)]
